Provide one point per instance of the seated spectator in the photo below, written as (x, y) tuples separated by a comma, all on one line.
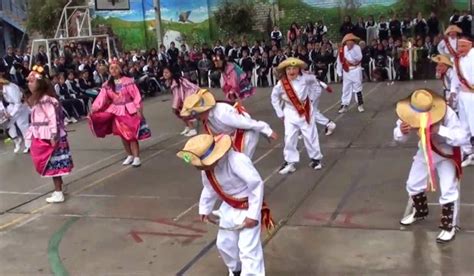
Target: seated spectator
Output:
[(279, 57), (264, 65), (75, 90), (189, 70), (366, 55), (321, 30), (73, 107), (87, 86), (293, 34), (246, 64), (381, 62), (101, 75)]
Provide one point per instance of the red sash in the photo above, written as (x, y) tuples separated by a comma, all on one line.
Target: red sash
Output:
[(455, 157), (239, 203), (238, 143), (461, 77), (303, 110), (345, 64), (450, 48)]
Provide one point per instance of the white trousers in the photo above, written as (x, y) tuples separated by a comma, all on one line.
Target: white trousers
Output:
[(240, 250), (351, 84), (21, 121), (294, 125), (251, 138), (318, 116), (448, 183), (466, 116)]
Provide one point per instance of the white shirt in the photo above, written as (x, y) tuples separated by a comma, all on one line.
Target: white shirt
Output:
[(12, 95), (466, 64), (303, 86), (353, 56), (225, 119), (443, 49), (450, 134), (238, 178)]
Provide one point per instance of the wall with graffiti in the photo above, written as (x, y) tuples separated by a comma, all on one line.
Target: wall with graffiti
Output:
[(185, 21)]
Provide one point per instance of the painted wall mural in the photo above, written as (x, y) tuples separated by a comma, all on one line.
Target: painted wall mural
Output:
[(185, 21)]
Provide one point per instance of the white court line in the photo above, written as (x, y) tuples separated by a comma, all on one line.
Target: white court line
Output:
[(279, 144), (18, 193), (462, 204)]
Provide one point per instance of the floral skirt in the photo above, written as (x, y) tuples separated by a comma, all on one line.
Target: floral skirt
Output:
[(51, 161), (130, 128)]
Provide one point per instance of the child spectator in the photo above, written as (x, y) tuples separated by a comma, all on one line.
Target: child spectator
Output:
[(204, 65), (347, 26), (246, 64), (276, 36), (395, 27), (420, 26), (383, 29), (321, 30), (433, 25)]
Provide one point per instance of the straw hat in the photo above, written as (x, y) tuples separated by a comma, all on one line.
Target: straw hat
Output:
[(453, 28), (350, 36), (442, 59), (205, 150), (4, 81), (291, 62), (409, 110), (198, 103)]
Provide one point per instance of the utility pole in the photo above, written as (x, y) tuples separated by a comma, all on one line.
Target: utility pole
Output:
[(159, 33)]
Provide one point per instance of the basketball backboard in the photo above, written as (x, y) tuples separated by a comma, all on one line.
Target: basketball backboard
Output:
[(110, 5)]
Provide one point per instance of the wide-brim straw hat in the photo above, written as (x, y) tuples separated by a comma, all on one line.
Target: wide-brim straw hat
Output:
[(205, 150), (410, 109), (4, 81), (291, 62), (442, 59), (453, 28), (198, 103), (348, 37)]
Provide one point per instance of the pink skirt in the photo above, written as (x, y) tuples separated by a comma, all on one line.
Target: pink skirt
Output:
[(51, 161), (130, 128)]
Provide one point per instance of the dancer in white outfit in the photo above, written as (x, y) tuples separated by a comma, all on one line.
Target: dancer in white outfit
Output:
[(291, 99), (445, 73), (441, 136), (17, 112), (464, 82), (448, 46), (349, 68), (225, 118), (230, 176)]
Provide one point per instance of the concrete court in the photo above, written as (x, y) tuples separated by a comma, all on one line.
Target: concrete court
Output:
[(342, 220)]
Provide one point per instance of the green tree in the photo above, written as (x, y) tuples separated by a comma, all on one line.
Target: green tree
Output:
[(235, 18), (44, 15)]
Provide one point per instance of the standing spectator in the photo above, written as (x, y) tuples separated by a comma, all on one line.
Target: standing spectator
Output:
[(218, 47), (41, 57), (195, 54), (395, 27), (347, 26), (163, 56), (321, 30), (371, 27), (183, 51), (233, 53), (407, 26), (466, 24), (360, 29), (293, 34), (204, 65), (420, 26), (433, 26), (309, 33), (276, 36), (229, 46), (173, 53), (205, 49), (366, 55), (9, 58), (264, 67), (383, 29), (454, 19), (246, 64)]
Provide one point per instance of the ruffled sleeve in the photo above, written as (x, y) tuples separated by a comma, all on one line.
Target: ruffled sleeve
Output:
[(102, 99)]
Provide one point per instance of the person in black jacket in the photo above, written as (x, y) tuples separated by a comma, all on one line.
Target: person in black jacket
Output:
[(395, 27), (173, 53), (246, 63), (466, 24), (420, 26), (433, 26), (383, 29), (347, 26), (359, 29)]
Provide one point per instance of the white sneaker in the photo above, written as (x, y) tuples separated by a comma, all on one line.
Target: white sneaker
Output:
[(136, 162), (73, 120), (410, 219), (343, 109), (468, 161), (186, 130), (330, 127), (446, 236), (17, 142), (56, 197), (26, 150), (287, 168), (128, 160), (191, 133), (361, 108)]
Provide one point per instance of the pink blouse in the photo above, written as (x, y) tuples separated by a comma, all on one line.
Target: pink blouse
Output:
[(181, 92), (125, 101), (44, 120)]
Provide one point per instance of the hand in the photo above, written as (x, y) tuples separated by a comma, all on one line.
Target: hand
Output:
[(250, 223), (205, 218), (405, 128), (329, 89), (273, 136), (435, 129)]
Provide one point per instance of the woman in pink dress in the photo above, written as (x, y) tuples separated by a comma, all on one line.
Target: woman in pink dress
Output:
[(118, 110), (49, 145), (234, 81), (181, 89)]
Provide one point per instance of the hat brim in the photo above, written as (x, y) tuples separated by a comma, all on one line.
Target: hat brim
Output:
[(209, 102), (412, 117), (453, 29), (223, 143), (292, 62), (446, 61), (349, 38)]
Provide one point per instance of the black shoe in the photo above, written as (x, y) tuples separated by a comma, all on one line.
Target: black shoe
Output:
[(236, 273), (315, 164)]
